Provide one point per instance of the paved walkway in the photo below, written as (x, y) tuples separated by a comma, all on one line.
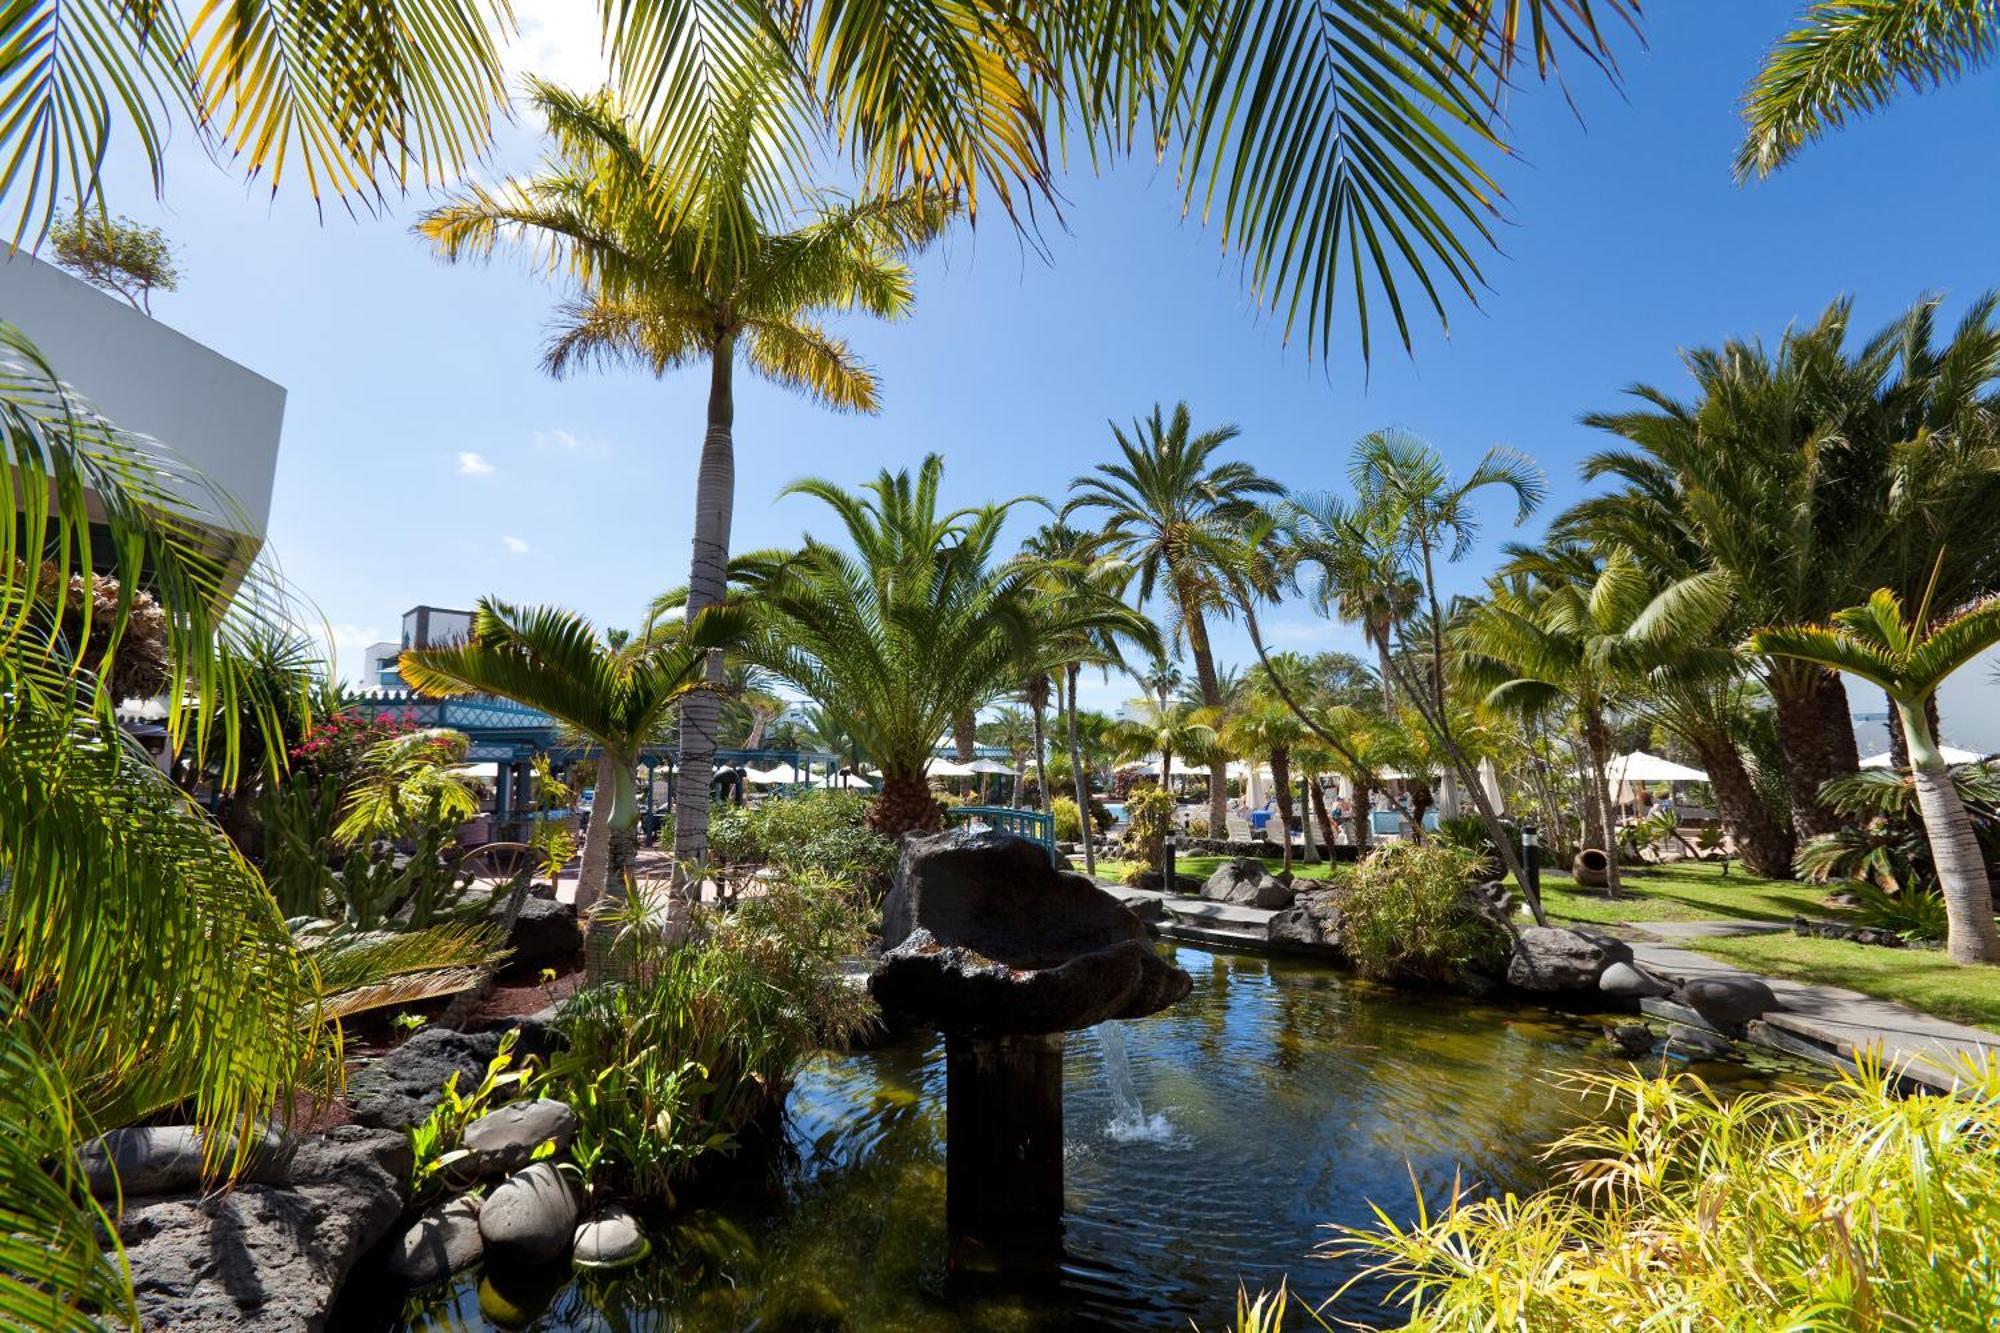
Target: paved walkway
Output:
[(1836, 1019)]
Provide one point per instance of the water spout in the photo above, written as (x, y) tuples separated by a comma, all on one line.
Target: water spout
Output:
[(1129, 1121)]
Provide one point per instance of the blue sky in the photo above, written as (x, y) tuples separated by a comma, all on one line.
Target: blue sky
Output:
[(1626, 240)]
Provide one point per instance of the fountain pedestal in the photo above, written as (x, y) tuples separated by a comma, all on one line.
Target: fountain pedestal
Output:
[(986, 940), (1003, 1126)]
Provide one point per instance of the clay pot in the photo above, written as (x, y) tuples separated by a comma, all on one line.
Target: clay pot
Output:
[(1591, 869)]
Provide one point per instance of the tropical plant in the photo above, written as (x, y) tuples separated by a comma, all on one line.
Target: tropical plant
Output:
[(99, 849), (1358, 576), (1796, 481), (1917, 914), (1881, 840), (681, 261), (1149, 814), (1908, 656), (433, 1140), (1176, 515), (1839, 1205), (1406, 915), (408, 783), (705, 1039), (818, 835), (1847, 58), (914, 625), (554, 660), (1266, 731)]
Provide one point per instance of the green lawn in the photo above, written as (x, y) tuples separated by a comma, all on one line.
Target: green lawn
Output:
[(1921, 978), (1685, 892)]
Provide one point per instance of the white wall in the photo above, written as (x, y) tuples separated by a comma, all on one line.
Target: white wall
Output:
[(146, 377)]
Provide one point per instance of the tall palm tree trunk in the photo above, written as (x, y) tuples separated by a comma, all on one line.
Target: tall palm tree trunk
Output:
[(1364, 814), (1329, 835), (1079, 778), (1306, 849), (590, 872), (1597, 739), (1038, 702), (1816, 734), (1386, 669), (1281, 778), (1961, 868), (708, 581), (1211, 695)]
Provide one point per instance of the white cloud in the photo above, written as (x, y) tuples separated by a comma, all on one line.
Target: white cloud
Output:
[(516, 545), (559, 40), (568, 441), (471, 464)]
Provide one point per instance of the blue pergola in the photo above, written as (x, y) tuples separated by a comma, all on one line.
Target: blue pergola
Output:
[(510, 735)]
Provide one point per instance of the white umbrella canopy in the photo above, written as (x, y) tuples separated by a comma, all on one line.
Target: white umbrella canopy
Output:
[(851, 782), (1639, 766), (1952, 755), (987, 766), (950, 768)]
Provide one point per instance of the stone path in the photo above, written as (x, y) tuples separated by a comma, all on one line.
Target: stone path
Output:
[(1838, 1021)]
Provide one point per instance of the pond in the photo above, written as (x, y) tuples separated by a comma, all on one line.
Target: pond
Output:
[(1278, 1097)]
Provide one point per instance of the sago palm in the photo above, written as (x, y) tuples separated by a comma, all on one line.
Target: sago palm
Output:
[(556, 661), (1176, 513), (1909, 657), (733, 278), (914, 623)]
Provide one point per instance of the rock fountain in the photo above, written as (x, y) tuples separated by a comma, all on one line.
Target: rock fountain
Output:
[(987, 940)]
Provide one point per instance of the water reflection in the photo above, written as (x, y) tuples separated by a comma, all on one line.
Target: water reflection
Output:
[(1295, 1097)]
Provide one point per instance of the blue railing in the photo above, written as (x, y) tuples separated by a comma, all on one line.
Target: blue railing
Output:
[(1027, 823)]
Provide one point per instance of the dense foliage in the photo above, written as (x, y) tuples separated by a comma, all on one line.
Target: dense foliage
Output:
[(814, 835), (1406, 915), (685, 1059), (1848, 1206)]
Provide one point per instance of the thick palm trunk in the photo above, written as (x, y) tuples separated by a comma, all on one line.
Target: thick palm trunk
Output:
[(1816, 734), (1764, 845), (964, 737), (1306, 849), (1364, 814), (1961, 869), (905, 804), (1387, 669), (1281, 778), (590, 872), (708, 581), (1079, 778)]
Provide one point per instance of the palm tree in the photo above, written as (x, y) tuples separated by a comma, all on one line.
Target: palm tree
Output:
[(1405, 488), (915, 624), (1163, 729), (1846, 60), (1015, 732), (556, 661), (1177, 515), (1796, 480), (1908, 657), (1265, 730), (1380, 148), (1359, 577), (99, 850), (727, 281), (1073, 572)]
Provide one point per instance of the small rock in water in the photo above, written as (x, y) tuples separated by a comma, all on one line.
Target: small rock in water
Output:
[(530, 1216), (1697, 1043), (439, 1243), (611, 1239), (1634, 1039), (1728, 1001), (506, 1139)]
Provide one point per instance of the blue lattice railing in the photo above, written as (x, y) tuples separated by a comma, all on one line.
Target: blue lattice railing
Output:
[(1028, 823)]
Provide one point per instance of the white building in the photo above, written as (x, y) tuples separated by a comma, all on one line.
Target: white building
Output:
[(150, 379)]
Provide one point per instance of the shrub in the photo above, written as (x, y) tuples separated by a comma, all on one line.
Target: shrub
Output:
[(1406, 915), (1069, 823), (1847, 1206), (1148, 810), (677, 1064), (1198, 828), (816, 834)]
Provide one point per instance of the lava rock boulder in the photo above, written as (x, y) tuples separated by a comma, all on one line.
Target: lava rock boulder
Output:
[(1246, 883), (400, 1089)]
